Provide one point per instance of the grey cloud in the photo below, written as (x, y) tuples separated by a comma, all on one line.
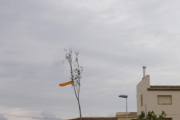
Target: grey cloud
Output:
[(115, 39), (48, 114), (2, 117)]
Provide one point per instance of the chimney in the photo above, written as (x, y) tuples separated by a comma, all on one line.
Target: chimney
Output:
[(144, 71)]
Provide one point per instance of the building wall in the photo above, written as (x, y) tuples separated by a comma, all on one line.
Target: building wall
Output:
[(122, 115), (172, 111), (129, 118), (142, 90)]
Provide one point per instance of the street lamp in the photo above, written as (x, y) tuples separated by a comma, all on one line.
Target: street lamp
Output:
[(125, 96)]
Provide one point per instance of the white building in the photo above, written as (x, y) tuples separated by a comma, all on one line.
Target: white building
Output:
[(158, 98)]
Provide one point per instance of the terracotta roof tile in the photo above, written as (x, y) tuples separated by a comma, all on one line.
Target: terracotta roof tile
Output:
[(122, 114), (164, 87)]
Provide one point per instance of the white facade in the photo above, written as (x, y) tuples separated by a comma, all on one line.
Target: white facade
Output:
[(149, 98)]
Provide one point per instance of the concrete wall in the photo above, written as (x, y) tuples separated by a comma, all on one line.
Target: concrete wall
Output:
[(142, 90)]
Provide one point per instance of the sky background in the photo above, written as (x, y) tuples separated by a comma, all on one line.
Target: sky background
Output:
[(115, 38)]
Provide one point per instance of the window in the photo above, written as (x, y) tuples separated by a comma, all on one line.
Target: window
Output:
[(164, 100), (141, 100)]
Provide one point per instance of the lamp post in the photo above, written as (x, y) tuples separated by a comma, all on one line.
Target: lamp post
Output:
[(125, 96)]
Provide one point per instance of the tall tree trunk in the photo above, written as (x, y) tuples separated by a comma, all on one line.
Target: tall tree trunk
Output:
[(79, 109)]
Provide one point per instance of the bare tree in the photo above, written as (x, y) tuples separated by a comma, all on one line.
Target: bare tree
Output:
[(75, 70)]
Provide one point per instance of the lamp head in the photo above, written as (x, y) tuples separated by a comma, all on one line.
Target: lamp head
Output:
[(123, 96)]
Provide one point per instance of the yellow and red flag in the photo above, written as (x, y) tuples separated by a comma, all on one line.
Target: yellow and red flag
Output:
[(66, 83)]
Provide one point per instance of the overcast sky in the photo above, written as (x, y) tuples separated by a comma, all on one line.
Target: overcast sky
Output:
[(115, 38)]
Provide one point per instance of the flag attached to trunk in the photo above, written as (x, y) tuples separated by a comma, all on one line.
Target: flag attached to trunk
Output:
[(66, 83)]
